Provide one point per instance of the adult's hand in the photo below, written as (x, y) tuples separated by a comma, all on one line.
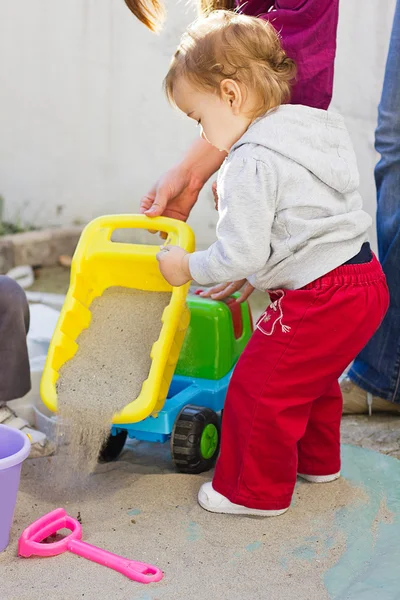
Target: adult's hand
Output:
[(224, 290), (176, 192)]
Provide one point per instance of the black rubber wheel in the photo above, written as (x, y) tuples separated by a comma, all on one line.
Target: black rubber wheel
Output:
[(195, 439), (113, 447)]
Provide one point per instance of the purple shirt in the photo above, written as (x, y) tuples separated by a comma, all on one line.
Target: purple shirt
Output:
[(308, 30)]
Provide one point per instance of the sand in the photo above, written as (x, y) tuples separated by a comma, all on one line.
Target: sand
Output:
[(139, 508), (107, 372)]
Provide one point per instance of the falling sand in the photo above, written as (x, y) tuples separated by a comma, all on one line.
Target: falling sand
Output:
[(108, 370)]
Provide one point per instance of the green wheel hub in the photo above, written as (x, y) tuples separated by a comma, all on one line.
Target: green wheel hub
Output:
[(209, 441)]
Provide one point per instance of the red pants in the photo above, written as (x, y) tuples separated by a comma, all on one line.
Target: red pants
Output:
[(284, 405)]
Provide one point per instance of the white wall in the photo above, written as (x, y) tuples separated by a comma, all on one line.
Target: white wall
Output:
[(84, 127), (363, 40)]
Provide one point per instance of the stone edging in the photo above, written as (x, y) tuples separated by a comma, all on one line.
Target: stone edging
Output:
[(37, 248)]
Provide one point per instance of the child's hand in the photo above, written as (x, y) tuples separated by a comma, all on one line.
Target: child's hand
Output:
[(174, 265), (224, 290)]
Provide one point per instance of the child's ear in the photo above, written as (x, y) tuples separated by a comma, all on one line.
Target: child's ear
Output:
[(232, 95)]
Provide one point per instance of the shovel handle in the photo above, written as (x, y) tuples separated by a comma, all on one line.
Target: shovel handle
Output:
[(137, 571)]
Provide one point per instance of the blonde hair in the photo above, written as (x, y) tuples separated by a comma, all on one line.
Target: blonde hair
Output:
[(227, 45), (152, 12)]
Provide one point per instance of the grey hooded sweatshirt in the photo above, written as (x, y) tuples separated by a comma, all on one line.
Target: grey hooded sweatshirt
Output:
[(289, 206)]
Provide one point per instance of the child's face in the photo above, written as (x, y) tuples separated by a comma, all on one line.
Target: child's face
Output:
[(221, 117)]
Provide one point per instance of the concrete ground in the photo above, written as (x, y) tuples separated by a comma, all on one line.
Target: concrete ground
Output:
[(339, 541), (53, 280)]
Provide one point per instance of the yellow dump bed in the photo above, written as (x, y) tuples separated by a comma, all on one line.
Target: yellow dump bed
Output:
[(98, 264)]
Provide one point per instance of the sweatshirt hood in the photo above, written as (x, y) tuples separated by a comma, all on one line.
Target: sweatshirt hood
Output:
[(316, 139)]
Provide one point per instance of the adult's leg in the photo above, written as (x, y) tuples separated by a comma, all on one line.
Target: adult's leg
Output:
[(376, 370), (15, 379)]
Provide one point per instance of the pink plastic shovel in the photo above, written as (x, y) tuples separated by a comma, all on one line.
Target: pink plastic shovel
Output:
[(30, 544)]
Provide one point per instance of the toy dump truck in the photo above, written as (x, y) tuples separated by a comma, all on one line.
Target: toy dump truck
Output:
[(191, 416), (191, 361)]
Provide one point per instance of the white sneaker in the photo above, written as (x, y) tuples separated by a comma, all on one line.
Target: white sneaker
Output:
[(320, 478), (40, 445), (214, 502)]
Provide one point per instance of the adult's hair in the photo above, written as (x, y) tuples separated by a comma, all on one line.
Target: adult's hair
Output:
[(152, 12)]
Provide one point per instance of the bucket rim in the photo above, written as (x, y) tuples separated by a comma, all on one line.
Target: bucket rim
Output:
[(18, 457)]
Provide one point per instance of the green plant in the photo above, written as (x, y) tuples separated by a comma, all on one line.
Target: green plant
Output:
[(9, 227)]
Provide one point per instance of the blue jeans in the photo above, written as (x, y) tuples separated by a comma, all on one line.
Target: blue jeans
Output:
[(377, 367)]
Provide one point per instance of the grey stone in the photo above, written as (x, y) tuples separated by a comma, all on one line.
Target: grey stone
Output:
[(41, 247), (6, 255)]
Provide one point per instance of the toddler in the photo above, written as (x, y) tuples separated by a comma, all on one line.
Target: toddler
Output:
[(291, 223)]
